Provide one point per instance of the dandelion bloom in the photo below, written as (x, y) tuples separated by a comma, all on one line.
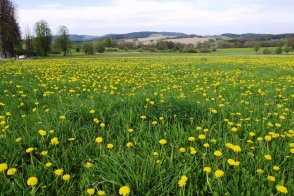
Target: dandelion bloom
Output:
[(91, 191), (54, 141), (3, 167), (218, 153), (89, 165), (32, 181), (29, 150), (48, 164), (129, 144), (58, 172), (11, 171), (18, 139), (162, 142), (276, 168), (233, 162), (182, 150), (207, 169), (236, 148), (182, 181), (124, 190), (193, 150), (109, 146), (102, 125), (101, 193), (219, 173), (282, 189), (214, 111), (130, 130), (62, 117), (155, 154), (201, 136), (99, 140), (92, 111), (42, 132), (268, 157), (66, 177), (260, 171), (271, 178), (234, 129), (191, 139)]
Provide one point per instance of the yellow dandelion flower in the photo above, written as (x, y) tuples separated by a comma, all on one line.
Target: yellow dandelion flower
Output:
[(109, 146), (268, 157), (182, 150), (58, 172), (207, 169), (162, 141), (3, 167), (182, 182), (219, 173), (49, 164), (282, 189), (129, 144), (271, 178), (99, 140), (218, 153), (29, 150), (54, 141), (11, 171), (42, 132), (101, 193), (90, 191), (191, 139), (89, 165), (193, 150), (66, 177), (124, 191), (201, 136), (32, 181)]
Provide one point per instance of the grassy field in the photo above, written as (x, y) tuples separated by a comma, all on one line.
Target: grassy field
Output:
[(168, 124), (233, 52)]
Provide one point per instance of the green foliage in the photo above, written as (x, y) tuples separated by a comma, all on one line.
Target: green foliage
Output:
[(266, 51), (287, 49), (256, 47), (88, 48), (278, 50), (99, 47), (10, 35), (181, 97), (42, 41), (62, 40)]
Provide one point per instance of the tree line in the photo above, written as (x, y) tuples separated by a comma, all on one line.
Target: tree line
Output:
[(36, 43)]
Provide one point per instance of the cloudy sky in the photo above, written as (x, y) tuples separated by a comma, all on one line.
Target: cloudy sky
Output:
[(205, 17)]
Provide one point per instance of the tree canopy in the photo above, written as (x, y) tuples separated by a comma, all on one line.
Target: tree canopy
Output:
[(10, 35)]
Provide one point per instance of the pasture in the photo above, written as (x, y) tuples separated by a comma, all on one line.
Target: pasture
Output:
[(147, 125)]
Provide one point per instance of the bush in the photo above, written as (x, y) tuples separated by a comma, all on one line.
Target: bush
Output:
[(278, 50), (87, 47), (100, 48), (266, 51)]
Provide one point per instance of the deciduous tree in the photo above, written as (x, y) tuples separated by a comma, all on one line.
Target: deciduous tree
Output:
[(10, 35), (42, 41)]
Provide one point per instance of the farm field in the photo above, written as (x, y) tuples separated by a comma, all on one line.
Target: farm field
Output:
[(143, 125)]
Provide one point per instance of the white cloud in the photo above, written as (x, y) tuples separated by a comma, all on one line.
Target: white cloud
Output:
[(199, 17)]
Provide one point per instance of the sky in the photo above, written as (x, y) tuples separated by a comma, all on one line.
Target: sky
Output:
[(202, 17)]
